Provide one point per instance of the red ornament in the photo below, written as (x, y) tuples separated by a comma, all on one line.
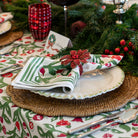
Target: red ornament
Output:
[(122, 42), (75, 58), (117, 50), (106, 51), (126, 49), (77, 27)]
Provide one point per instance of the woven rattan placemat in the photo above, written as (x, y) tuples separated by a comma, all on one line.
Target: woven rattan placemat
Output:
[(54, 107), (10, 37)]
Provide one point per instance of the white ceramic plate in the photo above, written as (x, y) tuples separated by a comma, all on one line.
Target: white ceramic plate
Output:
[(4, 27), (89, 86)]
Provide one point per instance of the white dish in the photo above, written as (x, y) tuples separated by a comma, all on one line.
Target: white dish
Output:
[(89, 86), (4, 27)]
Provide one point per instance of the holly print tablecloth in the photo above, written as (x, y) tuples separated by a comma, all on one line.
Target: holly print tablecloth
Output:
[(16, 122)]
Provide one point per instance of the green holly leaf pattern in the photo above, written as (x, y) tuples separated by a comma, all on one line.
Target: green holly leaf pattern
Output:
[(125, 127), (12, 62), (99, 67), (35, 136), (2, 83), (49, 134), (88, 118), (8, 110), (49, 126), (68, 126), (135, 128), (127, 106), (114, 62), (40, 131), (54, 118), (1, 105), (7, 120), (0, 127), (105, 129), (7, 99), (116, 131), (15, 116)]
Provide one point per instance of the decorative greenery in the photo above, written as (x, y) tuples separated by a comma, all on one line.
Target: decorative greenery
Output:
[(100, 33)]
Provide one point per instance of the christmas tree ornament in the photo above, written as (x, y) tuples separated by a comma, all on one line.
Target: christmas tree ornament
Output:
[(39, 18), (77, 27)]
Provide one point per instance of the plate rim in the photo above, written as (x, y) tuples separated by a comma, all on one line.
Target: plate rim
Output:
[(9, 25), (66, 97)]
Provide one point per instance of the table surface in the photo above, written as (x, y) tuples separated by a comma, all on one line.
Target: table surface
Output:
[(22, 123)]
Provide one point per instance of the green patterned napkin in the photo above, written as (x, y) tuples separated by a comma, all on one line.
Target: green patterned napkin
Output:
[(32, 79), (43, 74)]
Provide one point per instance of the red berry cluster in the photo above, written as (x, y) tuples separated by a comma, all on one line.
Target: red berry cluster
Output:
[(123, 49)]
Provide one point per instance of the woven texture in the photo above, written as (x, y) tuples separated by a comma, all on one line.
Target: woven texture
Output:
[(10, 37), (54, 107)]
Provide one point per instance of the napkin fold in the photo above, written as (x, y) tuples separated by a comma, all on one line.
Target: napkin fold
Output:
[(5, 16), (39, 73)]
